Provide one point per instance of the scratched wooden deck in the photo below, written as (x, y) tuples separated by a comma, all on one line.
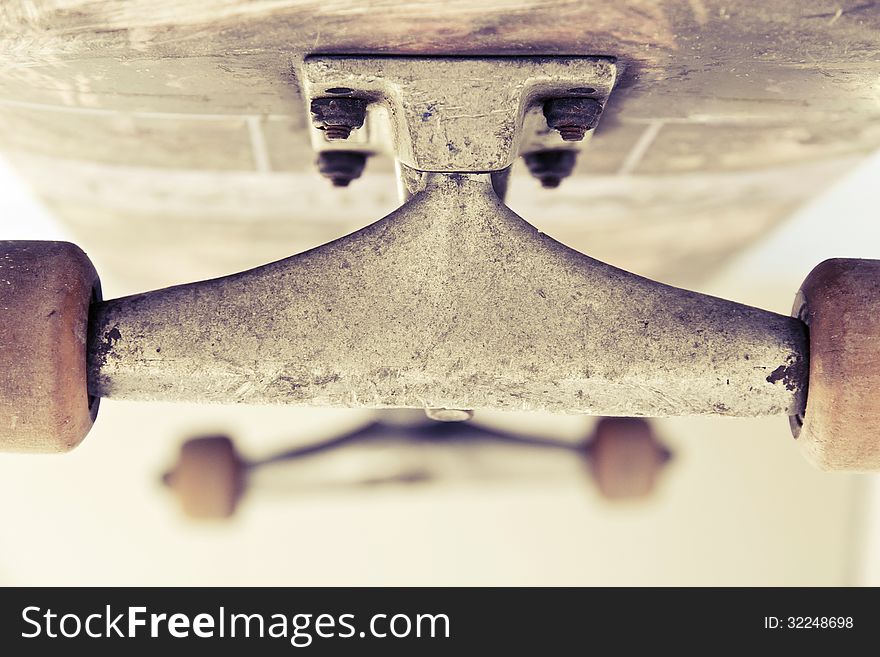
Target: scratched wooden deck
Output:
[(168, 134)]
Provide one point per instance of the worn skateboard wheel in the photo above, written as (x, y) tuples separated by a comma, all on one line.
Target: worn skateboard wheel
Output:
[(208, 479), (45, 292), (840, 429), (625, 457)]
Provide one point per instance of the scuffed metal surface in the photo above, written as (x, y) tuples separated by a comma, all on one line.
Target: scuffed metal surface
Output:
[(452, 301)]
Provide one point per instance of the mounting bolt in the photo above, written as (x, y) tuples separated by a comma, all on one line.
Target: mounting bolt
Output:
[(572, 117), (341, 167), (337, 117), (551, 166)]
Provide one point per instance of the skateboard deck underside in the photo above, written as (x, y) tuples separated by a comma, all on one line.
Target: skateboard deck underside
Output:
[(170, 137)]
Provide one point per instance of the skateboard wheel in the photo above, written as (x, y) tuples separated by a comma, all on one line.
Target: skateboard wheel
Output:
[(45, 292), (625, 457), (208, 479), (840, 429)]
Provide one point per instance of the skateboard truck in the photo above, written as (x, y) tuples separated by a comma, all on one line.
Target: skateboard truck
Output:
[(450, 302), (623, 455)]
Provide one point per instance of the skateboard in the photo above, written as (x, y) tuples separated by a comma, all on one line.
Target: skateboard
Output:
[(195, 136), (623, 455)]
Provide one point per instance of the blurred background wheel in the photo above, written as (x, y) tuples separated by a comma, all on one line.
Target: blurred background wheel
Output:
[(208, 479), (626, 458)]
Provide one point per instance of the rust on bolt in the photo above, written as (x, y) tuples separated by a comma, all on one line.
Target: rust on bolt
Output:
[(572, 117), (337, 117)]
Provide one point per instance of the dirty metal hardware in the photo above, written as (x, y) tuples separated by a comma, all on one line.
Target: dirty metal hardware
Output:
[(337, 117), (456, 114), (572, 117), (551, 166), (341, 167)]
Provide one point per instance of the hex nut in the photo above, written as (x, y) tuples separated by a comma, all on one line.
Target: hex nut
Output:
[(341, 167), (572, 117), (551, 166), (337, 117)]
